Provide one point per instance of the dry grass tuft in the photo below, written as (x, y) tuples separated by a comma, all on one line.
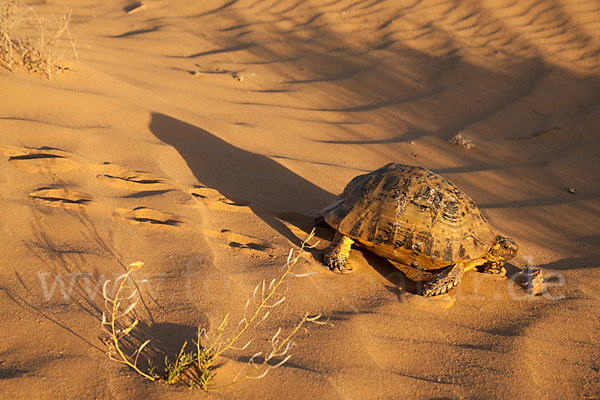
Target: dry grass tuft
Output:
[(196, 367), (29, 42)]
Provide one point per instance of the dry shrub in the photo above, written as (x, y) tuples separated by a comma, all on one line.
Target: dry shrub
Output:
[(196, 367), (30, 42)]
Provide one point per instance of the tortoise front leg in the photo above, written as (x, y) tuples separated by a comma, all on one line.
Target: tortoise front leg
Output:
[(338, 252), (492, 267)]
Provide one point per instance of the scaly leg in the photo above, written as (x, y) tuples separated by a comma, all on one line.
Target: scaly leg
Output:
[(492, 268), (338, 252), (444, 281)]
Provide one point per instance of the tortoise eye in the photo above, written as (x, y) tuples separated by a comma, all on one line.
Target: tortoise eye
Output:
[(506, 247)]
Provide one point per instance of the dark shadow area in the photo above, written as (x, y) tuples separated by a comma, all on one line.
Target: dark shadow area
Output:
[(342, 315), (288, 364), (146, 193), (402, 278), (166, 341), (60, 200), (569, 263), (135, 32), (510, 268), (471, 346), (12, 372), (34, 156), (133, 6), (589, 239), (267, 187), (446, 381), (253, 246), (567, 198)]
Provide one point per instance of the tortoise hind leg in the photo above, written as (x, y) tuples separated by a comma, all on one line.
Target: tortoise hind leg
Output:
[(338, 252), (444, 281)]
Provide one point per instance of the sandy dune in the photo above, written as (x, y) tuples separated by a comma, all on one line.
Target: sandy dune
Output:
[(203, 137)]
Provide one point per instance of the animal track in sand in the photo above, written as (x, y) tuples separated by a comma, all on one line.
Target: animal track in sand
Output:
[(39, 160), (146, 193), (436, 303), (121, 178), (238, 240), (213, 199), (138, 184), (59, 197), (150, 216)]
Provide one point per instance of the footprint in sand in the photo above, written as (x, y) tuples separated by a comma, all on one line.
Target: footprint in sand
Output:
[(435, 303), (150, 216), (39, 160), (142, 184), (238, 240), (121, 178), (59, 197), (213, 199)]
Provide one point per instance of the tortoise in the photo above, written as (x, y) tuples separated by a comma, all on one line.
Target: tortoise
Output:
[(417, 218)]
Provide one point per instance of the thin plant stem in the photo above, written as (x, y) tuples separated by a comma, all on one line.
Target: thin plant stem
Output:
[(290, 264)]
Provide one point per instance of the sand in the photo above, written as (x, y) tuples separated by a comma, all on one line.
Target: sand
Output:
[(203, 137)]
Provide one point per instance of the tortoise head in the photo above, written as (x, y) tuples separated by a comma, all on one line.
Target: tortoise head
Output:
[(502, 249)]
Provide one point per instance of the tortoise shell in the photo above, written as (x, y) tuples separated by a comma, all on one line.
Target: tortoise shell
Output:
[(411, 215)]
